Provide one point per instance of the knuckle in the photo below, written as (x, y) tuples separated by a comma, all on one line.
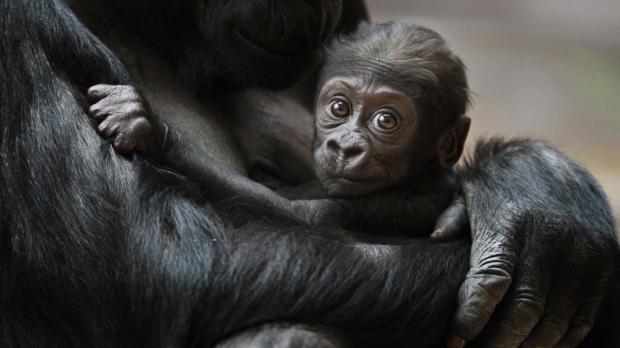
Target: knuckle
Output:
[(133, 109), (555, 325), (131, 93), (528, 294), (95, 109), (492, 271), (124, 88), (529, 298), (103, 126), (528, 304)]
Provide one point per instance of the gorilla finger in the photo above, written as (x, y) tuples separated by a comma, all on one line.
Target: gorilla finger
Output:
[(579, 328), (585, 314), (483, 289), (582, 321), (453, 222), (527, 300), (548, 331), (141, 131), (98, 92), (114, 97), (102, 108), (109, 127), (519, 319), (113, 106), (124, 144), (133, 109), (561, 305)]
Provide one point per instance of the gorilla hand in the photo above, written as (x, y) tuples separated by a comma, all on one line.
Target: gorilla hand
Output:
[(125, 116), (542, 244)]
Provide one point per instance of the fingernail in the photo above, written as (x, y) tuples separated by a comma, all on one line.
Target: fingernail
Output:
[(454, 341), (437, 233)]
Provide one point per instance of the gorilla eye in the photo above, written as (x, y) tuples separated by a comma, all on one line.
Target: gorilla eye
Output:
[(385, 121), (339, 108)]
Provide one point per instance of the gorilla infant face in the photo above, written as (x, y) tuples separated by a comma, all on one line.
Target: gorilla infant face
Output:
[(365, 136), (268, 40)]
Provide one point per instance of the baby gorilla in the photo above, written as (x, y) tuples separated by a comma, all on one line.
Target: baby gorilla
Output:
[(389, 127)]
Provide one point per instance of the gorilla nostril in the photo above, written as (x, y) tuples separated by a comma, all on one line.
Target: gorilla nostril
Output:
[(346, 151), (351, 151), (333, 145)]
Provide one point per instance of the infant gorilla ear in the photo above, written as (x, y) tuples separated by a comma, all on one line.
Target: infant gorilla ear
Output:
[(124, 115), (452, 142)]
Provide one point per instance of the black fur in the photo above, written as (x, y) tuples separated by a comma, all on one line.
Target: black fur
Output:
[(104, 252), (100, 251)]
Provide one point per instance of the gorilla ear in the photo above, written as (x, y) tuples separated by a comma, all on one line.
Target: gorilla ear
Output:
[(452, 142)]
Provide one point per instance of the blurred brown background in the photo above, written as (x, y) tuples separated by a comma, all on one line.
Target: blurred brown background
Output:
[(543, 68)]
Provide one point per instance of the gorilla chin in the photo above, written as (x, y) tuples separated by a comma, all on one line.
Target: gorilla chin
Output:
[(281, 36), (346, 185)]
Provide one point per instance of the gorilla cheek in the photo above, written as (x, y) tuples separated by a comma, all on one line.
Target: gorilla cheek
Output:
[(323, 162)]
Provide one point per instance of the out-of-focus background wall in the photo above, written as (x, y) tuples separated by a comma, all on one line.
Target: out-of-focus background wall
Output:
[(543, 68)]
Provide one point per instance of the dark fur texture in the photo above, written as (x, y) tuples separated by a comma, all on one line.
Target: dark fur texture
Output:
[(100, 251)]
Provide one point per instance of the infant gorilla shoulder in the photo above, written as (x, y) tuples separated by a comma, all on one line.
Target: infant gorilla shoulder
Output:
[(389, 126)]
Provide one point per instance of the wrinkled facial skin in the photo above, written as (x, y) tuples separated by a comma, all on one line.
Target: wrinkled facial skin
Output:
[(268, 40), (365, 136)]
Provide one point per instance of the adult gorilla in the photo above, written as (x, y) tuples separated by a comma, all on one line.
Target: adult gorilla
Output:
[(97, 250)]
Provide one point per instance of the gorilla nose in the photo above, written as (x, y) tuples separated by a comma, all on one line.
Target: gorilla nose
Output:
[(347, 152)]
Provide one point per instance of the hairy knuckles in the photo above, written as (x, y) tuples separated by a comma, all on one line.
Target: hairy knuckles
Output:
[(525, 313), (492, 264), (133, 109)]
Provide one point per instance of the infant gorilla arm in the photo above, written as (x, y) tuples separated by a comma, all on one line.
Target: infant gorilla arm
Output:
[(124, 115)]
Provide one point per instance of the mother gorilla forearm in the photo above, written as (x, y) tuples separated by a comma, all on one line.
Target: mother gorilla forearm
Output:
[(393, 294)]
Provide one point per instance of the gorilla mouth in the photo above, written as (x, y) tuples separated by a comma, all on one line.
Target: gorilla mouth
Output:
[(267, 48), (351, 179), (350, 186)]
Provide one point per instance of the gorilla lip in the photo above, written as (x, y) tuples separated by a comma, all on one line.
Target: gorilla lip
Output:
[(356, 179)]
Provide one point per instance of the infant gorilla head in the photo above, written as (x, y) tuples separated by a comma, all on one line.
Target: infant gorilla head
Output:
[(390, 110)]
